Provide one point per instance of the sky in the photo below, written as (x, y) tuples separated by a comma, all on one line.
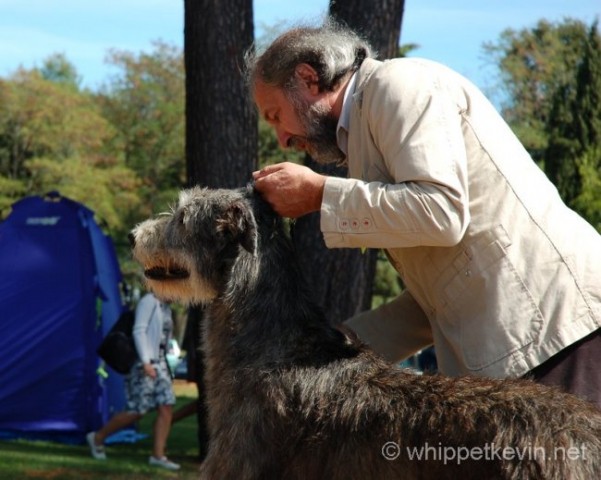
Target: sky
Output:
[(448, 31)]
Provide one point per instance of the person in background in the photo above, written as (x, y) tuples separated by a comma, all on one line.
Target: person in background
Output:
[(148, 385), (501, 276)]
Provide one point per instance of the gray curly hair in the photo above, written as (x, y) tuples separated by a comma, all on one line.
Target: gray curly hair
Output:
[(331, 49)]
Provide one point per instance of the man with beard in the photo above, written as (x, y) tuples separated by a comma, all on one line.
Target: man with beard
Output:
[(500, 275)]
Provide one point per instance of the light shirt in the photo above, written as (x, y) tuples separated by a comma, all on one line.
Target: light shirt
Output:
[(345, 116)]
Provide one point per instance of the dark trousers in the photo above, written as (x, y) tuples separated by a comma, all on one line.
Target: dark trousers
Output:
[(576, 369)]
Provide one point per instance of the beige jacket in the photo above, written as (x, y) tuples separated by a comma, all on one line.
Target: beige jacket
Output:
[(500, 274)]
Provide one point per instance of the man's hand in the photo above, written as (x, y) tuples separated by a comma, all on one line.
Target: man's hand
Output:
[(292, 190)]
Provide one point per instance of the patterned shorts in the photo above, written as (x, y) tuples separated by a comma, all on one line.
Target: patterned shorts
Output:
[(144, 393)]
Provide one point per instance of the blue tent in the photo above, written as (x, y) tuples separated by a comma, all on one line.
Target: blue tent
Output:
[(59, 294)]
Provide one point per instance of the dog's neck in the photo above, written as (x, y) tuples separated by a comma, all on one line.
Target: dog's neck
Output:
[(267, 298), (273, 268)]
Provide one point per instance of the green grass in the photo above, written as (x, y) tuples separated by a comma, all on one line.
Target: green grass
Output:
[(24, 460)]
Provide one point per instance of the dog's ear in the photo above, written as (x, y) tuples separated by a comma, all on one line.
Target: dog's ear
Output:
[(239, 222)]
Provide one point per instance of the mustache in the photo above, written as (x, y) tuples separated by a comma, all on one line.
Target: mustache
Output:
[(297, 142), (321, 149)]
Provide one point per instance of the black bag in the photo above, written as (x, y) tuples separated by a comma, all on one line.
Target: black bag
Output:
[(117, 348)]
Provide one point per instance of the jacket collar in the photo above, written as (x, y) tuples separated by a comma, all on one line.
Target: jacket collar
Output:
[(369, 66)]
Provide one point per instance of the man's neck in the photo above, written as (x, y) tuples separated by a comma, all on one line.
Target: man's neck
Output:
[(337, 96)]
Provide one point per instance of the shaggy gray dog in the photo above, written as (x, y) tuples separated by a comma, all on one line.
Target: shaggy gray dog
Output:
[(292, 397)]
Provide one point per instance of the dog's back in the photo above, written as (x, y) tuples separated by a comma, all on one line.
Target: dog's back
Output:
[(346, 414)]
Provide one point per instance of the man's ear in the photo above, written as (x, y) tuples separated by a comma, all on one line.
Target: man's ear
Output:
[(239, 222), (308, 77)]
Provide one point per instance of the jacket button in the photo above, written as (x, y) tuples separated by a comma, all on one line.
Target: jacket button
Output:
[(344, 224)]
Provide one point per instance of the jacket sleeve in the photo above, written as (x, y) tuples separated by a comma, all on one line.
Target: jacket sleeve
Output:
[(395, 330), (355, 213), (408, 135), (142, 340)]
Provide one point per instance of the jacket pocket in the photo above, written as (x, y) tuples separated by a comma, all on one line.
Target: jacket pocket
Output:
[(492, 314)]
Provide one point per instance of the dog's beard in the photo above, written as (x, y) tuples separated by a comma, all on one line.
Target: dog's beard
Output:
[(320, 126)]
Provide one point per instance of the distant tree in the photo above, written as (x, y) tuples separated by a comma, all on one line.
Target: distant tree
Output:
[(588, 201), (572, 158), (344, 278), (109, 188), (587, 125), (144, 102), (535, 64), (552, 77), (58, 69), (52, 137), (406, 49)]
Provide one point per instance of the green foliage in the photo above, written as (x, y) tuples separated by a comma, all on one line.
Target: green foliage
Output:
[(58, 69), (574, 126), (407, 48), (52, 137), (120, 150), (10, 189), (109, 190), (588, 200), (534, 63), (552, 79), (387, 283), (145, 103)]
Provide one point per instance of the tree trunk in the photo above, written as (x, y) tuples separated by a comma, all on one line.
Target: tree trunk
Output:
[(378, 21), (343, 278), (221, 123)]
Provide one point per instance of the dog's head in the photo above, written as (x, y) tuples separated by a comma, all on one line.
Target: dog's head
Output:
[(187, 254)]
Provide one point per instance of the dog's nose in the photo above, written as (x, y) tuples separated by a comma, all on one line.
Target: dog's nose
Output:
[(132, 240)]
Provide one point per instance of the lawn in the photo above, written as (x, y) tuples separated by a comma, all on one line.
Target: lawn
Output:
[(23, 460)]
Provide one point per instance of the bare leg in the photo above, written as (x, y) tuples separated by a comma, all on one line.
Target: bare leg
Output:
[(117, 422), (162, 426), (184, 411)]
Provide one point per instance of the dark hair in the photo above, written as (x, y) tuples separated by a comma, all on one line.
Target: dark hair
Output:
[(331, 49)]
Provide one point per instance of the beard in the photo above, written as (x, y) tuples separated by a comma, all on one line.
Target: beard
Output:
[(320, 126)]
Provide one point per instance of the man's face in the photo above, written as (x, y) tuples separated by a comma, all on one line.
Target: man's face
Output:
[(302, 120)]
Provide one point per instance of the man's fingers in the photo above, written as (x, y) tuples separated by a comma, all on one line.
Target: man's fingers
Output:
[(268, 170)]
